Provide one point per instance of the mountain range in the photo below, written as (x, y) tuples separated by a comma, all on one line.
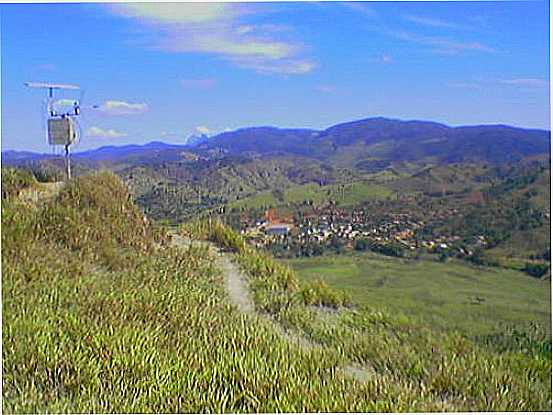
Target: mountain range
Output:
[(363, 144)]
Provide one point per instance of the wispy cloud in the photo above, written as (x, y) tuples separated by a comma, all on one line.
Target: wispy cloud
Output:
[(527, 82), (214, 28), (437, 44), (532, 83), (122, 108), (101, 133), (384, 58), (360, 8), (47, 67), (464, 85), (433, 22), (442, 44), (198, 83), (280, 66)]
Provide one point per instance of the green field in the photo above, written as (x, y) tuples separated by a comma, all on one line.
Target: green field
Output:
[(442, 294)]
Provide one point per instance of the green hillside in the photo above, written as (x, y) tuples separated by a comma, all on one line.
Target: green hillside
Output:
[(348, 194), (476, 301), (101, 313)]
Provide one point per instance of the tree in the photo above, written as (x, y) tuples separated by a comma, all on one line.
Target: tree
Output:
[(361, 245)]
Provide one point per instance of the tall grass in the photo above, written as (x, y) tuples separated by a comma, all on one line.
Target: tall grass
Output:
[(87, 331), (274, 284), (151, 335), (440, 367), (15, 180)]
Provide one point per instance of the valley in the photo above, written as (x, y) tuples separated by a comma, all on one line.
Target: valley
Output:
[(364, 276), (304, 207)]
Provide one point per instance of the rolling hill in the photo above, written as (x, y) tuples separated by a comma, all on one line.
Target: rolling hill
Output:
[(389, 139), (373, 142)]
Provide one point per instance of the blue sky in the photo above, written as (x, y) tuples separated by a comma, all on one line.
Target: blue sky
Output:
[(165, 71)]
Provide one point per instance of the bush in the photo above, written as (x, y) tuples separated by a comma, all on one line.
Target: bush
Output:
[(15, 180), (320, 294), (362, 245), (46, 174), (388, 250), (537, 270)]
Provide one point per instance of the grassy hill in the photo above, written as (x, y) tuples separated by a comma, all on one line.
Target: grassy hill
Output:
[(476, 301), (101, 314), (348, 194), (179, 191)]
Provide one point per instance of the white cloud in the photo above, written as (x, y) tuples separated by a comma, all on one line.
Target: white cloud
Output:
[(101, 133), (527, 82), (202, 129), (242, 30), (236, 47), (122, 108), (214, 29), (175, 13)]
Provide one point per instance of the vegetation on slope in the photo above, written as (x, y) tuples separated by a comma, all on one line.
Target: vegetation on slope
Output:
[(142, 327), (152, 334), (476, 301), (439, 367), (179, 191)]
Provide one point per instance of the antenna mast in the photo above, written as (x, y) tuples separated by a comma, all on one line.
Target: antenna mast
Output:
[(62, 128)]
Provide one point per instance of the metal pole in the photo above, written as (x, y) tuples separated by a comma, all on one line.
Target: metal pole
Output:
[(67, 162)]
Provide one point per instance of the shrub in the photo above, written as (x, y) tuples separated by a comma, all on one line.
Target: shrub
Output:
[(537, 270), (320, 294), (15, 180)]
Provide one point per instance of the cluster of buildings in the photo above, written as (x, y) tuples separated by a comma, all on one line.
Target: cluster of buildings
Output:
[(332, 224)]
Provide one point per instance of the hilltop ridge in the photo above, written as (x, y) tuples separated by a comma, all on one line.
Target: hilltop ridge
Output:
[(343, 144)]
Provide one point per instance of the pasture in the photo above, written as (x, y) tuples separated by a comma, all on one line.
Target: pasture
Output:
[(449, 296)]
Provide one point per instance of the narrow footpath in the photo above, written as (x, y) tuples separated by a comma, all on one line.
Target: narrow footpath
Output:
[(236, 286)]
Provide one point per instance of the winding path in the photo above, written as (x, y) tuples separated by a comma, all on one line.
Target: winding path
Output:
[(235, 281), (239, 294)]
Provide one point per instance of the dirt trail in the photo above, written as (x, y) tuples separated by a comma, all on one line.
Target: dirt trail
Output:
[(236, 285), (235, 281), (239, 294)]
